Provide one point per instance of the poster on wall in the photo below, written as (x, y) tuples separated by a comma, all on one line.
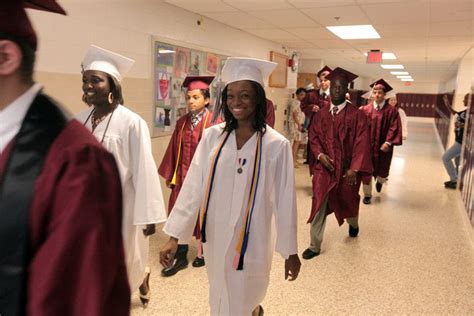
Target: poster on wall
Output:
[(195, 67), (212, 64), (181, 64), (172, 63)]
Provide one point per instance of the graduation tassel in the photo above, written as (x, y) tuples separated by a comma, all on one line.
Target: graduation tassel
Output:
[(210, 182)]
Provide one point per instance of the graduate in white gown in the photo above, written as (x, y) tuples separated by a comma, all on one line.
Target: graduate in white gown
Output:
[(125, 134), (241, 184)]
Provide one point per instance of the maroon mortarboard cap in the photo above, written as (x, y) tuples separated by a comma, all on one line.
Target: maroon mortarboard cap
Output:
[(197, 82), (15, 22), (323, 70), (339, 73), (381, 84)]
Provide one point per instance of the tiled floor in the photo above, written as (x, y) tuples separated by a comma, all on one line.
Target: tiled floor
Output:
[(414, 253)]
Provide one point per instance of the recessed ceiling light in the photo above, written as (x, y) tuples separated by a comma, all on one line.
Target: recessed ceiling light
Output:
[(399, 72), (407, 79), (404, 77), (392, 66), (354, 31), (386, 55)]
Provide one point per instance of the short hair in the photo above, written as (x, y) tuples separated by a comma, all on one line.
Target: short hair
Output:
[(299, 90), (28, 56), (260, 110)]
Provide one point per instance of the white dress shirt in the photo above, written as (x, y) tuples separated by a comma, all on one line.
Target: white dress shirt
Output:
[(340, 107), (12, 116), (379, 105)]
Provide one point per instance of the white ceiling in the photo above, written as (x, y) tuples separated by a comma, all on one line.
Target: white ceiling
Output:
[(428, 36)]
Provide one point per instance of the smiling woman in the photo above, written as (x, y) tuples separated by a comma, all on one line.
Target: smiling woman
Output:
[(241, 176)]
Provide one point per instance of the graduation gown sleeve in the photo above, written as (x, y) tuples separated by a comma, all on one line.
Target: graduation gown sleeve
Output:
[(394, 134), (168, 164), (361, 149), (285, 214), (77, 262), (149, 205), (182, 219)]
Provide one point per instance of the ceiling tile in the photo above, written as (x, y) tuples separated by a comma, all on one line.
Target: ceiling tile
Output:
[(457, 10), (454, 28), (285, 18), (271, 34), (204, 5), (320, 3), (253, 5), (413, 12), (238, 20), (328, 44), (344, 15), (311, 32), (297, 44)]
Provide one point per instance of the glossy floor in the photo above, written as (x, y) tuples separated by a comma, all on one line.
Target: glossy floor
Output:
[(414, 253)]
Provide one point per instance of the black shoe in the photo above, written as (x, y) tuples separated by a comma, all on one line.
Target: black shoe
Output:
[(447, 182), (309, 254), (179, 264), (353, 232), (367, 200), (260, 311), (198, 262), (144, 289), (378, 186), (306, 162), (451, 185)]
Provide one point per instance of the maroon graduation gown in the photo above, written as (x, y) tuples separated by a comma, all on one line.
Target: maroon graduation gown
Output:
[(345, 139), (270, 119), (312, 98), (76, 264), (385, 126), (190, 141)]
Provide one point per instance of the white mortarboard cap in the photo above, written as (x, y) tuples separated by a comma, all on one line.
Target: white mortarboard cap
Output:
[(367, 94), (109, 62), (390, 94), (242, 68)]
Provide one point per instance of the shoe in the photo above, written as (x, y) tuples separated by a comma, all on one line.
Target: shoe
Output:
[(447, 182), (198, 262), (309, 254), (367, 200), (260, 311), (451, 185), (353, 232), (179, 264), (378, 186), (144, 289)]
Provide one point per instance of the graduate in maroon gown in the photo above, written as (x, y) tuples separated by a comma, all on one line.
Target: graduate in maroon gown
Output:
[(61, 250), (177, 159), (270, 119), (314, 101), (385, 132), (340, 143)]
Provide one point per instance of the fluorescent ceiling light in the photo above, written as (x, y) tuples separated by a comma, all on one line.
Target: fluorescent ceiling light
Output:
[(399, 72), (386, 55), (392, 66), (354, 31), (403, 77), (407, 79), (165, 51)]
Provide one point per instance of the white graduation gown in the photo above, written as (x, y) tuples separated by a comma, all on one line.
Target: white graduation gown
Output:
[(403, 118), (128, 139), (234, 292)]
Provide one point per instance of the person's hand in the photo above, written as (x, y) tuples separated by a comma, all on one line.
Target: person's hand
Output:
[(327, 162), (292, 267), (315, 108), (149, 230), (351, 177), (168, 251), (458, 124), (169, 185), (385, 148)]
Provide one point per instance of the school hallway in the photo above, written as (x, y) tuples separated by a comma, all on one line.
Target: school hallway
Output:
[(414, 253)]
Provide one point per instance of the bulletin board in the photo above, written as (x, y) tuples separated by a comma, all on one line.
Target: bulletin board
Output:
[(278, 78), (171, 65)]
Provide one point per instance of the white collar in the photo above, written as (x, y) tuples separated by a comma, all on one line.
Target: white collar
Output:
[(12, 116), (340, 107), (321, 91), (381, 105)]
